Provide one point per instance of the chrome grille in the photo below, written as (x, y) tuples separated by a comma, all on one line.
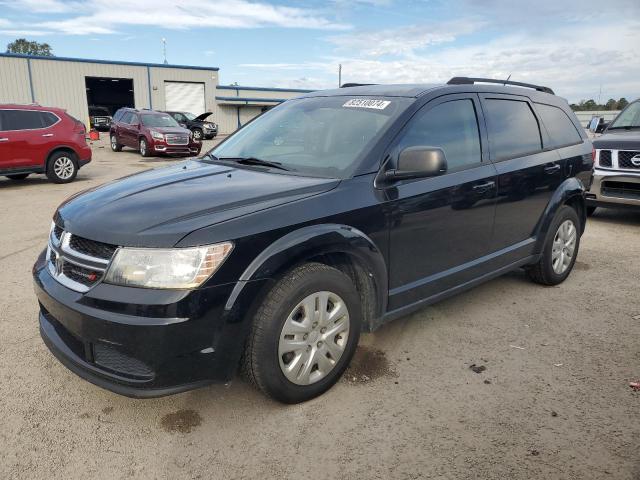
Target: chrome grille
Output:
[(605, 158), (177, 139), (629, 159), (76, 262)]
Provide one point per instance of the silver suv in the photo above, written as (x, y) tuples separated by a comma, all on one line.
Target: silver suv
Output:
[(616, 173)]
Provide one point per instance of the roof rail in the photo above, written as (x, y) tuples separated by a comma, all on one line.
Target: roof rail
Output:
[(347, 85), (471, 81)]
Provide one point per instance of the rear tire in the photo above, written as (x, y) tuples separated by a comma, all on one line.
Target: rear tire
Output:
[(560, 249), (304, 334), (62, 167), (115, 146), (18, 176)]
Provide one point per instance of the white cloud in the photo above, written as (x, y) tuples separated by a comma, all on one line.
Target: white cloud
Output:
[(574, 62), (405, 40), (4, 23), (107, 17)]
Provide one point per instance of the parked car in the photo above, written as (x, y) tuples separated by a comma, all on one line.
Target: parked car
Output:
[(197, 124), (151, 133), (35, 139), (99, 118), (274, 253), (616, 176)]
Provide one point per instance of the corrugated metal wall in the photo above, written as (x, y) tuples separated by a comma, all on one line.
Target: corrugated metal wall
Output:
[(14, 80), (62, 84)]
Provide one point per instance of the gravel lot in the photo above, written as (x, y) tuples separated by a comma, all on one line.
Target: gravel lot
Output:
[(553, 402)]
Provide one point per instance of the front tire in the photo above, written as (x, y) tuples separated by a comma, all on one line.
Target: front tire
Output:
[(144, 148), (115, 146), (560, 249), (304, 334), (197, 134), (62, 167)]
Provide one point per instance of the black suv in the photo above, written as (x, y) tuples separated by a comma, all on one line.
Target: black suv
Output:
[(197, 124), (329, 215)]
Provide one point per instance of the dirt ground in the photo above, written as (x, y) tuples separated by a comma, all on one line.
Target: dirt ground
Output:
[(553, 401)]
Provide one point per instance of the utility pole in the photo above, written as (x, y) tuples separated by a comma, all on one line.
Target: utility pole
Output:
[(339, 75), (164, 50)]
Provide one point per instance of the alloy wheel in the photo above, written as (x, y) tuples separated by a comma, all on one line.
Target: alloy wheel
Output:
[(64, 168), (313, 338), (564, 245)]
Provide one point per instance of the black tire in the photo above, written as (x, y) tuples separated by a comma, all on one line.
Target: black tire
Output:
[(261, 362), (198, 134), (144, 148), (590, 211), (115, 146), (543, 272), (18, 176), (62, 167)]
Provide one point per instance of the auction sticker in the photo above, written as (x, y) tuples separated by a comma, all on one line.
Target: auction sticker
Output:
[(367, 103)]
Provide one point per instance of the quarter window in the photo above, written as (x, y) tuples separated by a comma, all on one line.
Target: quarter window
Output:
[(561, 129), (513, 128), (452, 126), (48, 119)]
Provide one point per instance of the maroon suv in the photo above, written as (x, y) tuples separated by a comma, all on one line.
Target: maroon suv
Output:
[(151, 133), (35, 139)]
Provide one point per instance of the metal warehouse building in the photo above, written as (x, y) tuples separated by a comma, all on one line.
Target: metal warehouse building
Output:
[(75, 84)]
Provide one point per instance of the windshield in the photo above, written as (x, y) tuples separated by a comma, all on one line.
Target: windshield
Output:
[(323, 136), (190, 116), (158, 121), (628, 118)]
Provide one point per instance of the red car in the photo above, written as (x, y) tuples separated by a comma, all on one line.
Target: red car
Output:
[(35, 139), (151, 133)]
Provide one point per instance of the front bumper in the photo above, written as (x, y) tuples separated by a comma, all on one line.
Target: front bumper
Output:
[(614, 188), (143, 342), (192, 148)]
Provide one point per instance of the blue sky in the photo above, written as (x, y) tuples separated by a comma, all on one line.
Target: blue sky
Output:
[(575, 46)]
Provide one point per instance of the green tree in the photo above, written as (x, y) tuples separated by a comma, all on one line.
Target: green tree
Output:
[(611, 104), (26, 47), (589, 105), (622, 103)]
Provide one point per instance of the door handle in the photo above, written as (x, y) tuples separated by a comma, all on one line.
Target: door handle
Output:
[(552, 168), (483, 187), (4, 139), (48, 135)]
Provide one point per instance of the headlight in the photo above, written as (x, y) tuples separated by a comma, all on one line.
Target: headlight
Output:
[(157, 135), (166, 268)]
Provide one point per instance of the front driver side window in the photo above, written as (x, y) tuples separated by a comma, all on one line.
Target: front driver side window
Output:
[(452, 126)]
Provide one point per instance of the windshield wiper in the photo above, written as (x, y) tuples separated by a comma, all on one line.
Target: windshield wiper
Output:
[(626, 127), (255, 161), (210, 156)]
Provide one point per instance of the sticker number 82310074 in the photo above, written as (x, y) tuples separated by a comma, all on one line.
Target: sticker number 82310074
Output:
[(366, 103)]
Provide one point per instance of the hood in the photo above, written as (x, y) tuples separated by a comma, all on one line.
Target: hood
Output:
[(170, 130), (619, 140), (158, 207), (203, 117)]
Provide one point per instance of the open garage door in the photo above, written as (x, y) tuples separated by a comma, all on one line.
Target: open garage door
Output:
[(184, 97), (109, 93)]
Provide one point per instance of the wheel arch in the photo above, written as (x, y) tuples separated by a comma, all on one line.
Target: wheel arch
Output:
[(340, 246), (570, 192), (60, 148)]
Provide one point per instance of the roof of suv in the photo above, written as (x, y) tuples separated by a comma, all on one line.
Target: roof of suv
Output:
[(31, 106), (456, 84)]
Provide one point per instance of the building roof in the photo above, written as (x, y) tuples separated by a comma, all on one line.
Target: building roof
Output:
[(394, 90), (108, 62)]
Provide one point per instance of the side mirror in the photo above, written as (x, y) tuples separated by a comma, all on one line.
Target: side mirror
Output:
[(602, 127), (419, 162), (595, 123), (183, 125)]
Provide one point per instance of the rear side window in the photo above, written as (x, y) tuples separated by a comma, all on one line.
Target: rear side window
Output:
[(21, 120), (513, 128), (452, 126), (560, 127)]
